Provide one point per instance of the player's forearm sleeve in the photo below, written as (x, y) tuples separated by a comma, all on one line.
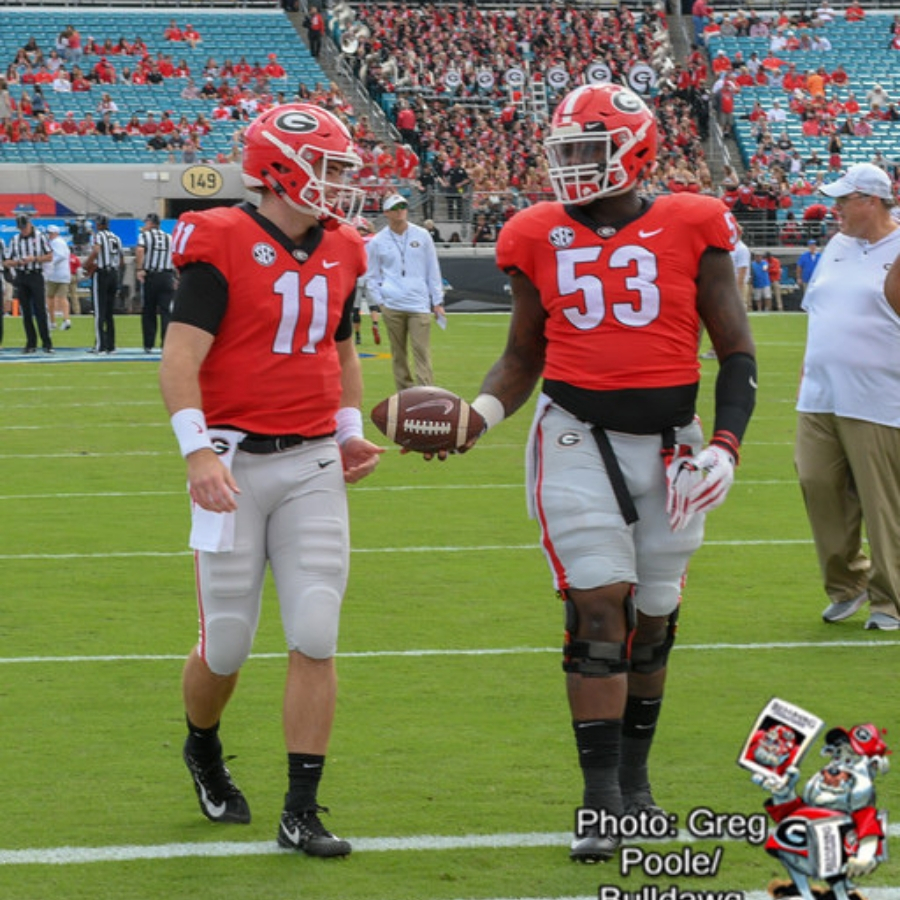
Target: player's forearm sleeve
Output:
[(735, 393)]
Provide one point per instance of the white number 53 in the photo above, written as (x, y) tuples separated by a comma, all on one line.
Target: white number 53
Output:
[(638, 311)]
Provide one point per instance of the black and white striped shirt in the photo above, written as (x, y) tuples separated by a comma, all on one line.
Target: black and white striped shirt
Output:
[(32, 245), (109, 250), (157, 250)]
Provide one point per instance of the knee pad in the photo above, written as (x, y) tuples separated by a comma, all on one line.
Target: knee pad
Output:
[(226, 644), (357, 318), (596, 659), (649, 658), (312, 628)]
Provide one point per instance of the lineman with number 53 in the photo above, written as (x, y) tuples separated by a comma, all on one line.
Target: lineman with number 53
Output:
[(260, 347), (609, 292)]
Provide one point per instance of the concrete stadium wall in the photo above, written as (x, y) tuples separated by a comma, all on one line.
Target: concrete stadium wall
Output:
[(120, 191)]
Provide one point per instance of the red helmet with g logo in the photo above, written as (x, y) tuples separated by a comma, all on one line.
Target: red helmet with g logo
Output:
[(602, 139), (303, 153)]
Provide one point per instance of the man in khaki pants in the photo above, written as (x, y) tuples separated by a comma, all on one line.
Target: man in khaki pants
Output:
[(404, 279), (848, 429)]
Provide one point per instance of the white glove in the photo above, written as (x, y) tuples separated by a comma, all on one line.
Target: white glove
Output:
[(697, 484), (781, 787), (864, 862)]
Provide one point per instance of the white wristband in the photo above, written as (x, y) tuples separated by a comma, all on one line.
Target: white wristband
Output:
[(349, 424), (490, 408), (189, 426)]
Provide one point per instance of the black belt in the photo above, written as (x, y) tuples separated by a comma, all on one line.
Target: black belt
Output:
[(615, 475), (160, 271), (271, 443)]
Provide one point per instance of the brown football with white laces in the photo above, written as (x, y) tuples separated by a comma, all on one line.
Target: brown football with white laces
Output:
[(427, 419)]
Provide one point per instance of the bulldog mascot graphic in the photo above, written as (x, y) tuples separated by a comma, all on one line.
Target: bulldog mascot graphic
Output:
[(831, 833)]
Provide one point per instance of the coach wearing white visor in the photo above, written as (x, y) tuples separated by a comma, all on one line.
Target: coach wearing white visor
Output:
[(848, 430), (404, 279)]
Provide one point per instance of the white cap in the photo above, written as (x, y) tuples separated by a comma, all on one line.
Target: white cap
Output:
[(394, 200), (863, 178), (53, 229)]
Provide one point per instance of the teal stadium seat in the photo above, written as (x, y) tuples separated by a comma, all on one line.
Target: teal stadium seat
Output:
[(224, 37)]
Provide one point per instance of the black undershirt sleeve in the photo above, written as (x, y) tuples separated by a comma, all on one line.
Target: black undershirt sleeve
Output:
[(201, 297), (345, 326)]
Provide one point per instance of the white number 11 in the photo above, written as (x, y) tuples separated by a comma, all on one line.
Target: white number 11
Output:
[(316, 289)]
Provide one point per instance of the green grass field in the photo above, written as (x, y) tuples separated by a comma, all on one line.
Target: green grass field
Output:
[(452, 765)]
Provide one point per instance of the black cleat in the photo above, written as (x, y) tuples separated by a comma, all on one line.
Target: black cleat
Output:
[(305, 833), (220, 798), (591, 848)]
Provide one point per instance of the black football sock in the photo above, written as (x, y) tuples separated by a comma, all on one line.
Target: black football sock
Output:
[(304, 775), (638, 729), (203, 743), (599, 748)]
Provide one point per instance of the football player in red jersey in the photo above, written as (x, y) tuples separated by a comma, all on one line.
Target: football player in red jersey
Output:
[(262, 381), (609, 291)]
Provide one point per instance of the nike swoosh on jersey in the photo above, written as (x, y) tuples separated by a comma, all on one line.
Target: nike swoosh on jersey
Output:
[(650, 234), (324, 464), (329, 264)]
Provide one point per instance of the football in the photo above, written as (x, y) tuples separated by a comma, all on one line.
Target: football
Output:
[(427, 419)]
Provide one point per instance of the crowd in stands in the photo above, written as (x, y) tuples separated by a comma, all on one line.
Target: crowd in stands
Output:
[(444, 70), (45, 76), (470, 139), (816, 99)]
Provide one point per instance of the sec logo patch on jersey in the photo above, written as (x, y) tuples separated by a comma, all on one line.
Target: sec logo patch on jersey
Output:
[(264, 254), (562, 236)]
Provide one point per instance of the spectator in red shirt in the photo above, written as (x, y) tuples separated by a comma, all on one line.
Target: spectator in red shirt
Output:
[(79, 82), (166, 125), (855, 12), (87, 125), (791, 233), (191, 35), (69, 125), (173, 32), (721, 63), (104, 71), (793, 79), (149, 126), (839, 76), (314, 23), (273, 68)]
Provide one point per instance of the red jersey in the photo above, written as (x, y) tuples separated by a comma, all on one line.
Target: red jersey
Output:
[(621, 307), (273, 367)]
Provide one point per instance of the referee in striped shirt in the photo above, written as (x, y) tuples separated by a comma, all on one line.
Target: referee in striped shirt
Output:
[(28, 251), (103, 265), (156, 275)]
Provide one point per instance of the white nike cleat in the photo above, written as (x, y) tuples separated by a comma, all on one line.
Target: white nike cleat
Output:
[(220, 798)]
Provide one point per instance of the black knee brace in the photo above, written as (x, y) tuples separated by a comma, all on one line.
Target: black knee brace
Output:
[(595, 659), (649, 658)]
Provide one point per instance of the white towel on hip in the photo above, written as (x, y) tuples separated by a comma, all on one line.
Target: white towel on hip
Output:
[(214, 531)]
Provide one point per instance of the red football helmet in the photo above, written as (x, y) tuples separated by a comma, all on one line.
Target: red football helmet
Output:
[(602, 138), (866, 740), (290, 149)]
